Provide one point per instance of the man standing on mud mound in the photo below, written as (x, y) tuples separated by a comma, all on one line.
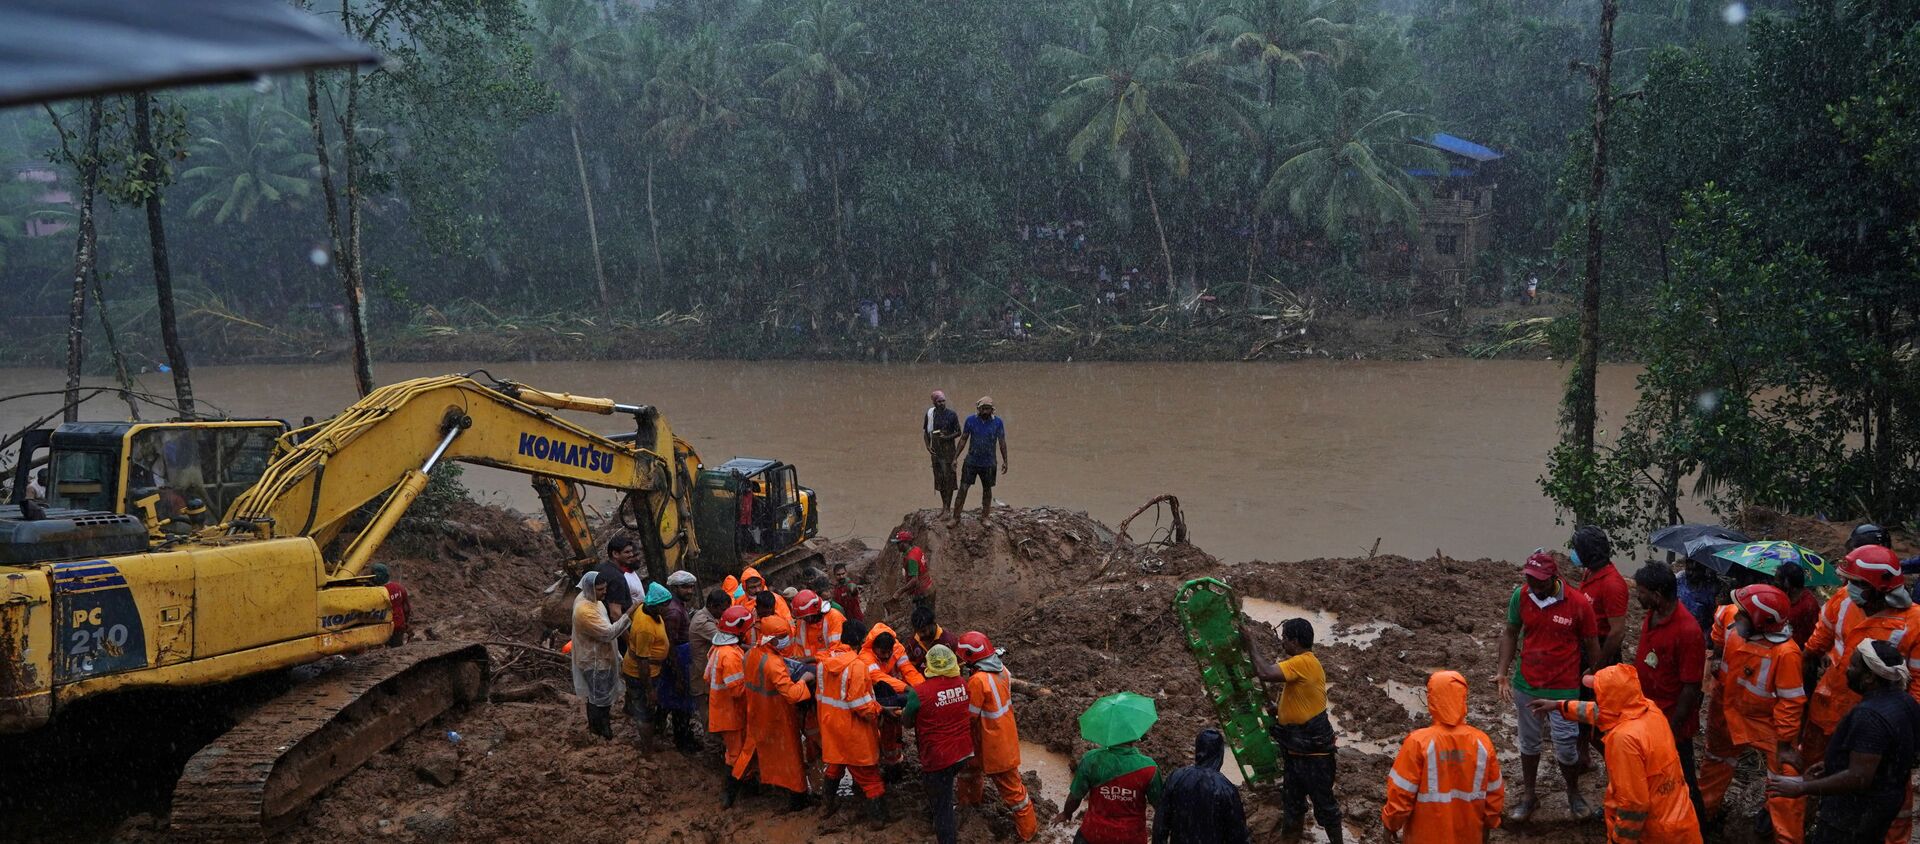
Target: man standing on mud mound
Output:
[(1607, 591), (978, 438), (939, 431), (1551, 628)]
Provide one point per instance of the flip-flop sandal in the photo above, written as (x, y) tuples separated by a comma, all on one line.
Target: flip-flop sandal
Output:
[(1523, 809), (1578, 808)]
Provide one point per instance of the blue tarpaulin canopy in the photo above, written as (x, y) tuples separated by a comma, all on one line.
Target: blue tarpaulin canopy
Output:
[(57, 49), (1461, 147)]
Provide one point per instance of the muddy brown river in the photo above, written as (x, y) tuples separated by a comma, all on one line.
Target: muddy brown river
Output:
[(1271, 461)]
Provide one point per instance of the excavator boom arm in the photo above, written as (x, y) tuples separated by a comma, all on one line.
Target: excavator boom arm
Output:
[(384, 444)]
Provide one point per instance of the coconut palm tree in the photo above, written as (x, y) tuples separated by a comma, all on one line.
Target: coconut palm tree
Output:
[(1354, 172), (1129, 96), (1276, 34), (253, 153), (575, 44)]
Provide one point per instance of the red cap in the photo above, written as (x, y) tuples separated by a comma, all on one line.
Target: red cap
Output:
[(1542, 566), (903, 536), (805, 602), (1766, 606), (1875, 565), (974, 647)]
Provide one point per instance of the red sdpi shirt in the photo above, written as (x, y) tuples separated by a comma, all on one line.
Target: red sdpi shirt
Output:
[(1607, 591), (1550, 639), (1671, 655)]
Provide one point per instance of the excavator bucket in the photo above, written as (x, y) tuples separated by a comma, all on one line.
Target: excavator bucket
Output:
[(1209, 614)]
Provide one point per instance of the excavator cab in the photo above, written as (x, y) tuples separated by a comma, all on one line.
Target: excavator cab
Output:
[(752, 511), (176, 476)]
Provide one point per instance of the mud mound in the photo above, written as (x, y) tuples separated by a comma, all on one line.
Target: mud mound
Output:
[(984, 574)]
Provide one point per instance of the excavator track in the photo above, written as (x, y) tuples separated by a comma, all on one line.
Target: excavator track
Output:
[(259, 774)]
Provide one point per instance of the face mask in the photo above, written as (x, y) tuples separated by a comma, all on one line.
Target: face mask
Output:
[(1857, 594), (780, 644), (1900, 598), (1574, 555), (1743, 627)]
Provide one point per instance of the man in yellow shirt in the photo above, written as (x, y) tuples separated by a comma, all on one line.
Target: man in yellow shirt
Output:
[(647, 649), (1305, 734)]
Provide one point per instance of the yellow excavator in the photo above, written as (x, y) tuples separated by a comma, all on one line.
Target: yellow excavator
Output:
[(121, 578)]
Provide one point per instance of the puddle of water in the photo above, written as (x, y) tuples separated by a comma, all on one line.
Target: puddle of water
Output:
[(1054, 770), (1327, 627), (1413, 698)]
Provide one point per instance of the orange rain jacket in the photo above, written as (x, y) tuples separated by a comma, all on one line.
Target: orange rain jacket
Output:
[(995, 734), (726, 689), (813, 637), (773, 724), (1647, 800), (1445, 786), (746, 600), (849, 728), (898, 671), (1762, 693), (1841, 629)]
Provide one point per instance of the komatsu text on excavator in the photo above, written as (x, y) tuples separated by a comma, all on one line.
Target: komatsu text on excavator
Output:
[(195, 552)]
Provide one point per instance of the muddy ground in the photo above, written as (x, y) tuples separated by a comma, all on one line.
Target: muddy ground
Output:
[(524, 766)]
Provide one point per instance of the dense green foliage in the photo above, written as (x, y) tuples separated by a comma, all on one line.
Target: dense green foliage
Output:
[(1766, 201), (780, 161)]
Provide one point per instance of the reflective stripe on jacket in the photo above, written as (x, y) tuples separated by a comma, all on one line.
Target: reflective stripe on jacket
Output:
[(1445, 785), (995, 733)]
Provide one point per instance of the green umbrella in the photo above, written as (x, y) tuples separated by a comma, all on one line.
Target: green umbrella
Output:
[(1118, 719), (1767, 558)]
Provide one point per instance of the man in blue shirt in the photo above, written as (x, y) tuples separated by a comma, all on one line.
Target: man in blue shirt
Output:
[(978, 437)]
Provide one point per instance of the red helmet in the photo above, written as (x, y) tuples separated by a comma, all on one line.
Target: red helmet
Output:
[(903, 536), (1766, 606), (805, 603), (736, 621), (1874, 565), (974, 647)]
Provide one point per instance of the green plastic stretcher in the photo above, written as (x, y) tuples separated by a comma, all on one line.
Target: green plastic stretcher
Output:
[(1210, 615)]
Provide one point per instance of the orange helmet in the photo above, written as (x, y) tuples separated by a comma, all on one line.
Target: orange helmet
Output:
[(806, 603), (974, 647), (1766, 606), (1874, 565), (736, 621)]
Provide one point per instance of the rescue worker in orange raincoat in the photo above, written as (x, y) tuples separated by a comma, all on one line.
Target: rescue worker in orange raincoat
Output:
[(1647, 800), (1445, 786), (893, 676), (850, 727), (817, 626), (1759, 699), (990, 700), (751, 584), (1875, 605), (726, 674), (773, 719)]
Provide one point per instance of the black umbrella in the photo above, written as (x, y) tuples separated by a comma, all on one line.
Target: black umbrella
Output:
[(1698, 543), (57, 49)]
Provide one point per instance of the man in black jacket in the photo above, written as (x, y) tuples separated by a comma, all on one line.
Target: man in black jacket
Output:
[(1200, 805)]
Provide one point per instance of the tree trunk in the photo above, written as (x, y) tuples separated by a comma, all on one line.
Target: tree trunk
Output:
[(653, 222), (83, 260), (1885, 457), (355, 271), (157, 239), (113, 345), (1166, 255), (593, 226), (1582, 409), (346, 270)]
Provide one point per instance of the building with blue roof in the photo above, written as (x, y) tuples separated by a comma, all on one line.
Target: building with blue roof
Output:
[(1456, 221)]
